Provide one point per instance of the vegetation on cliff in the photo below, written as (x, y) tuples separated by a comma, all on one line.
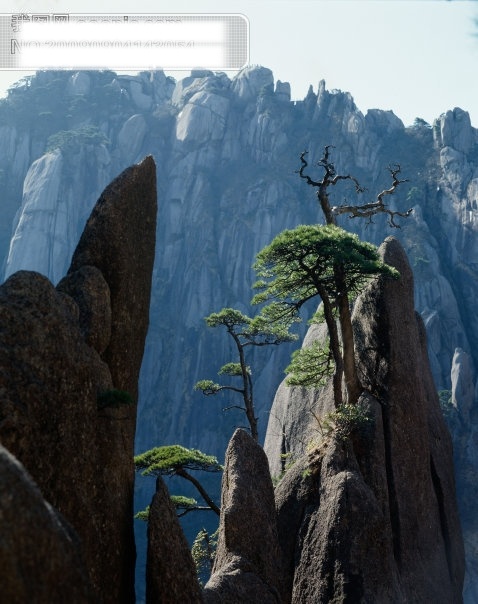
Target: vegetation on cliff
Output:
[(175, 460), (266, 329)]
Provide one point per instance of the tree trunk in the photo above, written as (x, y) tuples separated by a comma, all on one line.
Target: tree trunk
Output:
[(352, 382), (182, 472), (334, 346), (252, 421), (325, 204), (247, 391)]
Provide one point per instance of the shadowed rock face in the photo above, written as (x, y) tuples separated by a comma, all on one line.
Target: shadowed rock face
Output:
[(170, 571), (375, 519), (40, 557), (88, 288), (335, 537), (49, 420), (248, 563), (79, 450), (119, 240)]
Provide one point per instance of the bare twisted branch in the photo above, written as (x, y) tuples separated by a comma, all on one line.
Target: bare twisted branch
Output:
[(367, 210), (330, 177)]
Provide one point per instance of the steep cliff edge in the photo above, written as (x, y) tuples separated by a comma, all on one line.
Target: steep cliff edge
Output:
[(374, 519), (69, 361)]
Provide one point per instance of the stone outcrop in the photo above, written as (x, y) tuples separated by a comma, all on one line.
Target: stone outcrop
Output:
[(292, 425), (170, 571), (420, 476), (91, 292), (131, 136), (376, 519), (49, 416), (251, 81), (40, 555), (248, 563), (119, 240), (335, 536), (64, 356)]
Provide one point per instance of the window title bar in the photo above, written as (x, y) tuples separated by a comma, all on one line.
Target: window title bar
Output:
[(133, 41)]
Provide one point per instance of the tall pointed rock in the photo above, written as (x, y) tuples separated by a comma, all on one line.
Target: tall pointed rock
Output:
[(119, 239), (66, 354), (373, 518), (170, 571), (248, 563), (119, 243)]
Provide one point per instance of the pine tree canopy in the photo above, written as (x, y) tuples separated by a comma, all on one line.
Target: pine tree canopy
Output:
[(169, 459), (300, 261)]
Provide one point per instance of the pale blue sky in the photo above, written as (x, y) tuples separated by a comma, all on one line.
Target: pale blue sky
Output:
[(416, 57)]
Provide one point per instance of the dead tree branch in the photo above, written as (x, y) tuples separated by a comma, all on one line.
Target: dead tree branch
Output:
[(369, 210), (331, 178)]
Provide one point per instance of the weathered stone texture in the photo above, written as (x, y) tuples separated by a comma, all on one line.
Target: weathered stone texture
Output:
[(170, 570), (119, 240), (49, 383), (248, 564), (80, 453), (345, 545), (88, 288), (375, 519), (40, 559), (418, 455)]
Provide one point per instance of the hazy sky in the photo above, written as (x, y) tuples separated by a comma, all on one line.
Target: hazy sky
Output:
[(416, 57)]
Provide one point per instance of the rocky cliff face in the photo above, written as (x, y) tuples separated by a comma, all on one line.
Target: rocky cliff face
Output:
[(226, 152), (374, 518), (67, 356)]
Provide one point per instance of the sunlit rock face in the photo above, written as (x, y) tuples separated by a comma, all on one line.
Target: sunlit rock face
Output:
[(374, 517), (40, 208), (226, 152)]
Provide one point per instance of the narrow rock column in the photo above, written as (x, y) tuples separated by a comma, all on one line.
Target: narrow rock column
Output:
[(119, 241), (248, 565), (170, 571)]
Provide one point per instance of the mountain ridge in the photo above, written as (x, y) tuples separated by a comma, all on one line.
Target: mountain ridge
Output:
[(226, 153)]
